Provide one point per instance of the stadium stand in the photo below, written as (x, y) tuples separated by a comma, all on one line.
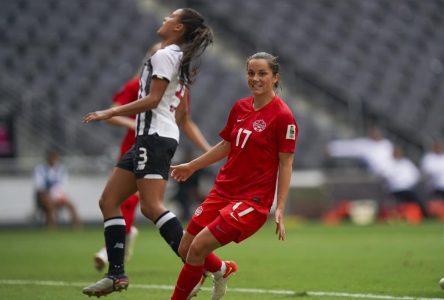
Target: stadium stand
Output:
[(383, 58), (61, 59), (361, 62)]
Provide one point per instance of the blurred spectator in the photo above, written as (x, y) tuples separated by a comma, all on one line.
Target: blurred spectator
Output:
[(432, 166), (49, 181), (402, 178), (374, 150)]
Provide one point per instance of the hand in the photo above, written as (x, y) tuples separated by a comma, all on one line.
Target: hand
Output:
[(279, 220), (98, 115), (182, 172)]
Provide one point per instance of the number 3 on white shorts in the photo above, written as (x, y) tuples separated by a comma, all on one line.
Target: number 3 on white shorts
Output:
[(243, 212)]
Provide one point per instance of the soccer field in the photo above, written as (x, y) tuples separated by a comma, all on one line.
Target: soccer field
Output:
[(391, 261)]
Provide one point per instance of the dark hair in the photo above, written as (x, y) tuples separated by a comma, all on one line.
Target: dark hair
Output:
[(272, 63), (197, 37), (52, 154)]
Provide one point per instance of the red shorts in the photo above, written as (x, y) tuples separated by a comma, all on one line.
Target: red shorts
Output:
[(228, 220)]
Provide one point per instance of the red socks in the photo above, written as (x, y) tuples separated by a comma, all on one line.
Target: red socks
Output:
[(212, 263), (188, 278), (128, 208)]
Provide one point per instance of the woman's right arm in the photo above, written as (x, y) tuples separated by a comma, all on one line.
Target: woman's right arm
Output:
[(151, 101), (120, 121), (218, 152)]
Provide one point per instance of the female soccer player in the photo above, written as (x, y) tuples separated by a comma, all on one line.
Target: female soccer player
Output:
[(184, 36), (128, 94), (259, 140)]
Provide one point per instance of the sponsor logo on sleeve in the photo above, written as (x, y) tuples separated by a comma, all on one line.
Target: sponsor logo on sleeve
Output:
[(291, 132)]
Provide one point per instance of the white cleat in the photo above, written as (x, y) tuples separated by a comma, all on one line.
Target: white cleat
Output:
[(107, 285), (101, 259), (131, 242), (220, 281)]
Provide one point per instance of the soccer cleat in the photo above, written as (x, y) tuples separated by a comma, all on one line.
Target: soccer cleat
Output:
[(220, 281), (130, 242), (107, 285), (101, 259), (198, 286)]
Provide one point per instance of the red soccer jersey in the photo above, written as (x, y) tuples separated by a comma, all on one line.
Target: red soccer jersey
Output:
[(256, 138), (127, 94)]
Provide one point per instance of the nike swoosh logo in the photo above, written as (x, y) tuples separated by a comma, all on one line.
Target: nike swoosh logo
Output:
[(220, 229), (228, 271), (232, 215), (240, 120)]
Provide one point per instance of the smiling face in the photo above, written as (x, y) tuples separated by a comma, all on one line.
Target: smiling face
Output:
[(171, 24), (260, 77)]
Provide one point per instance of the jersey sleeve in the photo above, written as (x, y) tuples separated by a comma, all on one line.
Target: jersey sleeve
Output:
[(226, 132), (164, 65), (287, 133), (128, 93)]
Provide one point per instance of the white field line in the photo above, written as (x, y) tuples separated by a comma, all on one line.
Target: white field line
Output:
[(238, 290)]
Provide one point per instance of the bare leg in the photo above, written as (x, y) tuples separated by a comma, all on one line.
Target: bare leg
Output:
[(203, 244), (185, 244), (198, 248), (151, 193), (75, 220), (120, 185), (49, 208)]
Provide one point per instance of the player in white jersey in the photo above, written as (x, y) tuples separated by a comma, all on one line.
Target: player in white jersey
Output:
[(184, 36)]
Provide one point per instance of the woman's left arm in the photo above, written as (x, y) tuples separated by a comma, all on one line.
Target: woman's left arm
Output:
[(283, 185), (187, 125)]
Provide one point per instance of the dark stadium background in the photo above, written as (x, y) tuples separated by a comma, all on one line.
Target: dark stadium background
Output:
[(347, 65)]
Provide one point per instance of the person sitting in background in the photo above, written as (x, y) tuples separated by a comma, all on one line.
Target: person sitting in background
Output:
[(402, 178), (432, 166), (49, 180), (374, 150)]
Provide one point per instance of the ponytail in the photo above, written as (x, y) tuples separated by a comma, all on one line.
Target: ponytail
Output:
[(197, 38)]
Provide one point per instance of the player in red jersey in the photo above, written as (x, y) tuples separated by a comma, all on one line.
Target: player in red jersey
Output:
[(259, 142)]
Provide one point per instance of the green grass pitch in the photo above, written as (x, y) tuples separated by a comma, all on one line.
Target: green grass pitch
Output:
[(382, 260)]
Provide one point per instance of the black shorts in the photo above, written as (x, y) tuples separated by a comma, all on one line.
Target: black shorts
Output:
[(150, 157)]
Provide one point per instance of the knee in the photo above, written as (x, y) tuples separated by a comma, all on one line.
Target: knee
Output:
[(152, 209), (103, 204), (183, 251), (196, 253), (69, 204)]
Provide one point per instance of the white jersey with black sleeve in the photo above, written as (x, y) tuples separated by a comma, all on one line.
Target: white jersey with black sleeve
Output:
[(164, 64)]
